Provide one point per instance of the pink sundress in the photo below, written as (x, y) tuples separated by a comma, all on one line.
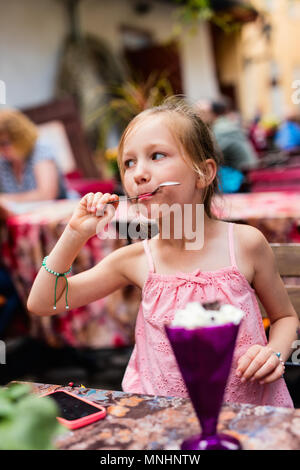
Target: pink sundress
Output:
[(152, 368)]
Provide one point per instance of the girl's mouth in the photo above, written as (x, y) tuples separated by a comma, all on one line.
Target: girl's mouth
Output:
[(158, 189), (145, 196)]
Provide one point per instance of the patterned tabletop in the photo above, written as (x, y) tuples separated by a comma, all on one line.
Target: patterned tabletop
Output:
[(144, 422)]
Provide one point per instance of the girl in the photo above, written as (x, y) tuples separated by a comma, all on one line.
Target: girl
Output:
[(171, 143)]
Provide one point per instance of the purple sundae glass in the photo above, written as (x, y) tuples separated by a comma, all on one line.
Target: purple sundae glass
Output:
[(204, 356)]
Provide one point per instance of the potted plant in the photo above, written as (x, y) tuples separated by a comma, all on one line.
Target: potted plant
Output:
[(124, 102)]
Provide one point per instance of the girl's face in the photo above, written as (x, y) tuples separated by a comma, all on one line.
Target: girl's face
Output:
[(151, 156)]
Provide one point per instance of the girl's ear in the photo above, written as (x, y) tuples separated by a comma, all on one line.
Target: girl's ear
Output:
[(205, 179)]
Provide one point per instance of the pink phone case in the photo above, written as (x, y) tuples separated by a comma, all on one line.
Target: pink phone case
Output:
[(80, 422)]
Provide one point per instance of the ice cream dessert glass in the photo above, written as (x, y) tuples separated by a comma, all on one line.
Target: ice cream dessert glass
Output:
[(203, 340)]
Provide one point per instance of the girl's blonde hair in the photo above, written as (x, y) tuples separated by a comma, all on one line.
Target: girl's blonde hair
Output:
[(20, 129), (194, 139)]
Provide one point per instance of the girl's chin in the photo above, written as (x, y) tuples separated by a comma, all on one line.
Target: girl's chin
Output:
[(154, 210)]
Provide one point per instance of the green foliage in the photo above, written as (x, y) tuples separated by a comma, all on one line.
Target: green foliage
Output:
[(27, 422), (194, 10), (191, 12), (128, 100)]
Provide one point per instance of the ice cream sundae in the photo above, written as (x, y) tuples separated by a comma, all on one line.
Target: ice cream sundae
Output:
[(203, 338), (195, 315)]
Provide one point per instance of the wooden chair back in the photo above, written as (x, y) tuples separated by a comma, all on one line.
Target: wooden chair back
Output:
[(287, 257), (65, 112)]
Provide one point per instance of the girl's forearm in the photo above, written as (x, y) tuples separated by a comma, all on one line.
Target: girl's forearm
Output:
[(283, 333), (41, 297)]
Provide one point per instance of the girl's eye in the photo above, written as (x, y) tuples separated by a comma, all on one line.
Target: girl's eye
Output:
[(160, 155), (128, 163), (155, 156)]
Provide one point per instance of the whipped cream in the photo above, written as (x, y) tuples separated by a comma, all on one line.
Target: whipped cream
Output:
[(194, 315)]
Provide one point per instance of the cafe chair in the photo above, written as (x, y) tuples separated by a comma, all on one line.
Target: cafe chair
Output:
[(59, 123), (287, 257)]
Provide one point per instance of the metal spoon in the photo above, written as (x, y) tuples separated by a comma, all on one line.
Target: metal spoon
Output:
[(167, 183)]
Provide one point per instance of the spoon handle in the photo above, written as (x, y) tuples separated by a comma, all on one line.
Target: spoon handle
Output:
[(122, 198), (137, 197)]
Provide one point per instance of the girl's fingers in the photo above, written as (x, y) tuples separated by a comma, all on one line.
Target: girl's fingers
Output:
[(87, 199), (257, 362), (96, 201), (245, 361), (97, 197), (275, 375), (267, 369), (109, 208)]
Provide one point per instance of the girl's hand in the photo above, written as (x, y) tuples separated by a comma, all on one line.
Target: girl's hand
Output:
[(91, 215), (259, 363)]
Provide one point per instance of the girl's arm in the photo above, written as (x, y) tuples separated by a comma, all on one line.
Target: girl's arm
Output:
[(90, 285), (260, 362)]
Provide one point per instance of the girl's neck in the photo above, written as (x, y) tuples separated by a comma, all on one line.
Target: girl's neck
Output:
[(178, 240)]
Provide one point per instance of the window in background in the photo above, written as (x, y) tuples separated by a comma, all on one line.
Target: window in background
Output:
[(251, 88), (270, 5), (293, 7)]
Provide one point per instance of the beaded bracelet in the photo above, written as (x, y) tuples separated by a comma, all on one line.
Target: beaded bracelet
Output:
[(57, 276)]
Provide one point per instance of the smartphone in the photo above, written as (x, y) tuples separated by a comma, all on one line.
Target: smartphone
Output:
[(75, 412)]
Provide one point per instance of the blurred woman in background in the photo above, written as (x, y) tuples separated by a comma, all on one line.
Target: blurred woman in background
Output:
[(28, 169)]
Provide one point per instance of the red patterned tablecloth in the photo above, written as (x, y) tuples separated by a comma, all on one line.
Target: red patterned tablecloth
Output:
[(26, 239), (276, 214)]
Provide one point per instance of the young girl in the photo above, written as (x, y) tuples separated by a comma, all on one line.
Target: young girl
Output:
[(171, 143)]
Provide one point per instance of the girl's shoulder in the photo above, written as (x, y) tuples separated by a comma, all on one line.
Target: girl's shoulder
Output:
[(131, 261), (250, 247), (249, 237), (245, 237)]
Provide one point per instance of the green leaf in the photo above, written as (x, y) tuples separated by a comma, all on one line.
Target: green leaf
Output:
[(16, 391), (27, 422), (6, 407)]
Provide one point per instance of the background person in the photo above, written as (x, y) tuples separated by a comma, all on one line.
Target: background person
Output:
[(287, 136), (28, 169), (230, 137)]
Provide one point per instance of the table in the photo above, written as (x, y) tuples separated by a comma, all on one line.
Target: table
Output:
[(144, 422), (275, 214), (26, 239)]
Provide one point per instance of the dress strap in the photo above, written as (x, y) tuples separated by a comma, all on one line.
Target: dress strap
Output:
[(231, 243), (148, 254)]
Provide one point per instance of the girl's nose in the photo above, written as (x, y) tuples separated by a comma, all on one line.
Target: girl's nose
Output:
[(141, 174)]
